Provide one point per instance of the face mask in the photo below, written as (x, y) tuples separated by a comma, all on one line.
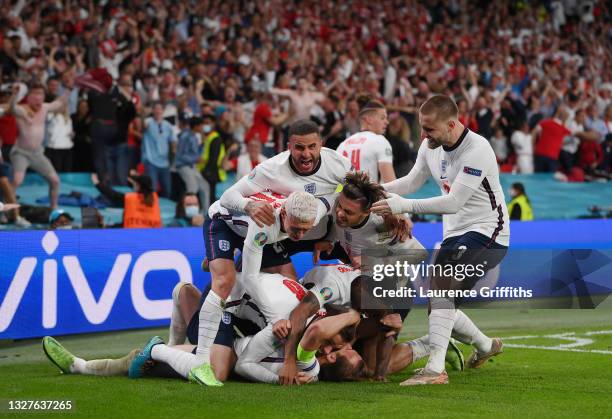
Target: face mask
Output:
[(192, 211), (68, 227), (206, 128)]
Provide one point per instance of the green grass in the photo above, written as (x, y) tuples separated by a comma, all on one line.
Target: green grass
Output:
[(520, 383)]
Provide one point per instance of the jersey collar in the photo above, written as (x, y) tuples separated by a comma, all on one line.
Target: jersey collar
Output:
[(459, 141), (312, 172), (361, 224)]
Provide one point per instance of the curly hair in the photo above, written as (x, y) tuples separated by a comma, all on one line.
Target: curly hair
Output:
[(358, 186)]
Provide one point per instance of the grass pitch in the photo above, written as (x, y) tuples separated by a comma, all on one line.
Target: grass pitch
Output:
[(557, 363)]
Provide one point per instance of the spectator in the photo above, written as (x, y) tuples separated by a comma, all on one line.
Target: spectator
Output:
[(264, 122), (187, 155), (213, 152), (141, 207), (7, 197), (351, 119), (245, 162), (398, 134), (499, 143), (549, 135), (302, 99), (60, 220), (8, 124), (519, 207), (522, 142), (188, 212), (59, 140), (117, 153), (81, 125), (156, 143), (28, 150)]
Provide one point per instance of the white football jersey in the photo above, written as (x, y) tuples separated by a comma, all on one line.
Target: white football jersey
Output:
[(261, 357), (331, 283), (276, 174), (365, 150), (471, 162), (274, 295), (374, 235)]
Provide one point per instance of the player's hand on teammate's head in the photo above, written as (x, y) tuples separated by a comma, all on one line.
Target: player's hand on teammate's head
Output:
[(322, 246), (281, 329), (261, 212), (388, 206)]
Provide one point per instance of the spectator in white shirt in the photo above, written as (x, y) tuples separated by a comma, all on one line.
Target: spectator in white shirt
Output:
[(522, 141)]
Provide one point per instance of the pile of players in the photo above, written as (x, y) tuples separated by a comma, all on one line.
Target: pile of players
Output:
[(260, 322)]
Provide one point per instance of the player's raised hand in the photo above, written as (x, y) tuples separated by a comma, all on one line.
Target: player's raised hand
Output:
[(261, 212), (281, 329), (322, 246)]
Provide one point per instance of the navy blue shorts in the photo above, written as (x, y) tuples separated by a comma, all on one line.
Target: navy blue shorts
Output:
[(471, 248), (221, 241), (5, 170), (227, 333)]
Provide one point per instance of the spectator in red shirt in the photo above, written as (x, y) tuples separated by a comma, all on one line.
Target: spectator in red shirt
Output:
[(263, 125), (549, 136), (8, 126)]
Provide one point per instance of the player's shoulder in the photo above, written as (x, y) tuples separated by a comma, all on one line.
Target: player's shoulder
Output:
[(333, 157), (476, 142), (272, 166)]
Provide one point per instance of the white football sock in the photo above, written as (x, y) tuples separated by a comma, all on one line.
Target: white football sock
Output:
[(420, 348), (181, 361), (178, 325), (466, 331), (210, 316), (440, 327)]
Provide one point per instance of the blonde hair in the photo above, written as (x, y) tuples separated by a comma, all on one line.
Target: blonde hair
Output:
[(301, 206)]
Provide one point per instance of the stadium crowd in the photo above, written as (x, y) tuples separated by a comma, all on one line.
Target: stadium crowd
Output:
[(185, 91)]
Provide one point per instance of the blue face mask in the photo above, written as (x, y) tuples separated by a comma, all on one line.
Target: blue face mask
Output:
[(192, 211)]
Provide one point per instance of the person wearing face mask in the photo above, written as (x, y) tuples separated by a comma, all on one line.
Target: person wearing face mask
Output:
[(187, 212), (141, 207), (519, 207), (213, 152), (60, 220), (187, 156)]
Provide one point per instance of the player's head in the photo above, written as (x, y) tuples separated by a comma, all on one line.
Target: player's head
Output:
[(342, 365), (372, 116), (438, 119), (36, 96), (305, 146), (298, 214), (357, 196)]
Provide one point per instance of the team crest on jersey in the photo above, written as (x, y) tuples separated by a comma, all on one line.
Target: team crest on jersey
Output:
[(472, 171), (227, 318), (311, 188), (326, 293), (224, 245), (443, 166), (260, 238)]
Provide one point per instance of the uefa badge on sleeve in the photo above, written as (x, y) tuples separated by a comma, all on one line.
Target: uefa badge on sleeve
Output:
[(260, 238)]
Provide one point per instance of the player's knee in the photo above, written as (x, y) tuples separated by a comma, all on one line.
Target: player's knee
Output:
[(54, 182)]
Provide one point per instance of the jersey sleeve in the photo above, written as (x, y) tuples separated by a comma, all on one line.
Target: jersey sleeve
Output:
[(235, 198), (252, 251), (384, 152), (417, 176), (249, 364), (475, 165)]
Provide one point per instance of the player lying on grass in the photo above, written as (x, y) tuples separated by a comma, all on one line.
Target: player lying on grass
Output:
[(254, 357)]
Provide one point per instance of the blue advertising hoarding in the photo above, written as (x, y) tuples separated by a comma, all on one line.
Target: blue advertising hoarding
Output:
[(81, 281)]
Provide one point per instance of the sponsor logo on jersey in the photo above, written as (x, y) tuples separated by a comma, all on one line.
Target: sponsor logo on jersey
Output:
[(224, 245), (472, 171), (326, 293), (226, 318), (260, 238), (310, 188)]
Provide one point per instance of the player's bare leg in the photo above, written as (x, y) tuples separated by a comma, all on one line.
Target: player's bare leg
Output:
[(185, 299)]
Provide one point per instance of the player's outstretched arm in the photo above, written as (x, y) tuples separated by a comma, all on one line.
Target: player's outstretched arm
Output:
[(413, 181), (259, 347), (235, 199), (448, 204), (326, 328)]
